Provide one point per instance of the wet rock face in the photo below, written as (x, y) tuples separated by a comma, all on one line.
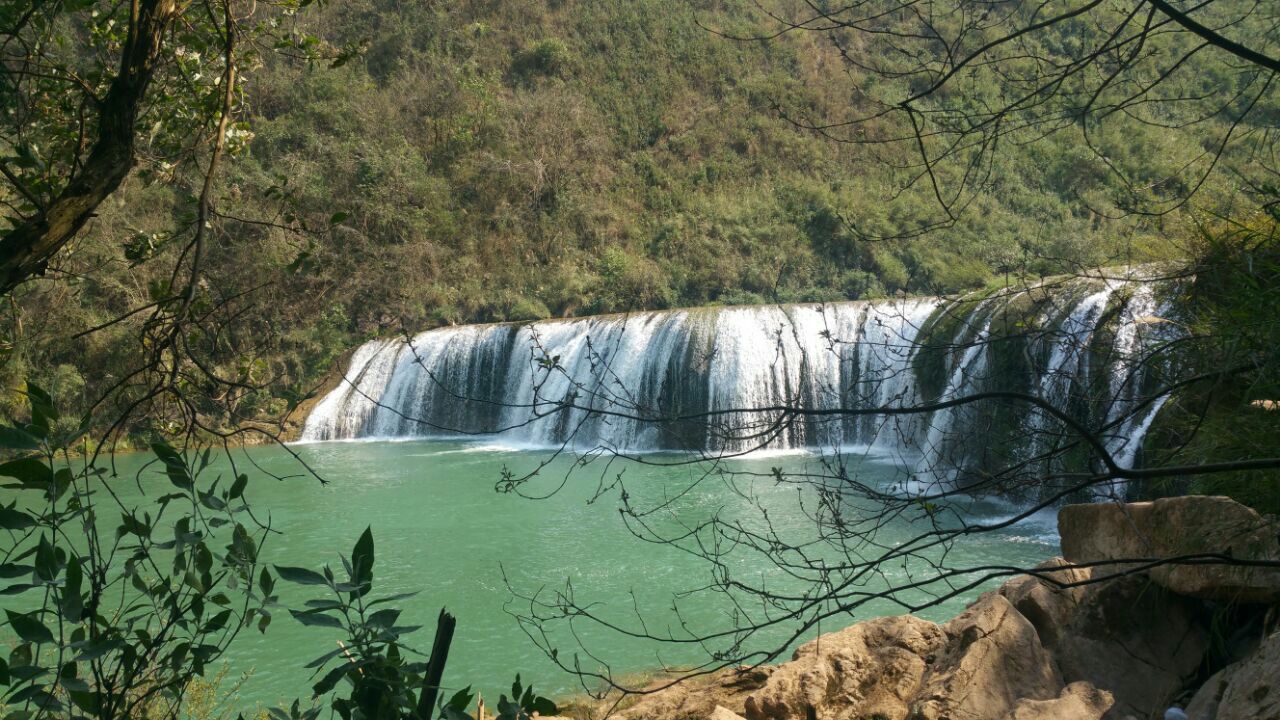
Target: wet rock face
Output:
[(1177, 528)]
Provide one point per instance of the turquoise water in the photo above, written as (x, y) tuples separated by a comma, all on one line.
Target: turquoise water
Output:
[(442, 529)]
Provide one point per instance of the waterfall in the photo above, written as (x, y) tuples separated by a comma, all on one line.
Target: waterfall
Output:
[(727, 379)]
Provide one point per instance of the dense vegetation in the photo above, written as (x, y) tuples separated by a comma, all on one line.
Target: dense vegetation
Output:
[(494, 161), (1233, 412), (488, 161)]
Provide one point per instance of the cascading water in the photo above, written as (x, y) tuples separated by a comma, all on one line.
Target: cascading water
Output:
[(728, 379)]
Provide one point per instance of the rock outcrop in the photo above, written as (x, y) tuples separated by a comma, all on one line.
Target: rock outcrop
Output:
[(1127, 636), (1245, 690), (875, 666), (1068, 642), (1180, 527)]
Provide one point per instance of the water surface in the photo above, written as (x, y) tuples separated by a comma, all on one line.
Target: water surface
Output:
[(443, 530)]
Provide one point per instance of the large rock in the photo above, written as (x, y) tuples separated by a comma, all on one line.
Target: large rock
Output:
[(993, 659), (1052, 644), (1135, 640), (1179, 527), (1078, 701), (700, 697), (986, 663), (868, 669), (1246, 690), (1084, 643)]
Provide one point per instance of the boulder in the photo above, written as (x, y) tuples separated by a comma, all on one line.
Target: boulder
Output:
[(983, 664), (1179, 527), (993, 659), (868, 669), (1246, 690), (1078, 701), (699, 697), (1103, 634), (1086, 643)]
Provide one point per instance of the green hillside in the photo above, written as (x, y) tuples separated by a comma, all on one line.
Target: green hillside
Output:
[(485, 161)]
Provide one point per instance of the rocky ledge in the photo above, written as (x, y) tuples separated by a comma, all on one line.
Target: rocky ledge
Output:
[(1083, 637)]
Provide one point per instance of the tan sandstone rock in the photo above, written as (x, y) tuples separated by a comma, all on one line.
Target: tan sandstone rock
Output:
[(1175, 527), (1078, 701), (993, 659), (984, 664), (868, 669), (1127, 636), (697, 697), (1061, 642), (722, 713), (1247, 690)]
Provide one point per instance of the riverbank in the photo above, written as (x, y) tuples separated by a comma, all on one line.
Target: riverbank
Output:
[(1084, 636)]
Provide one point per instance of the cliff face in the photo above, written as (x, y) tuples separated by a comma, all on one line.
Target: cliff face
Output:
[(1081, 637)]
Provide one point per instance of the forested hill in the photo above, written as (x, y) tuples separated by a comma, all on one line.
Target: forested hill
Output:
[(484, 161)]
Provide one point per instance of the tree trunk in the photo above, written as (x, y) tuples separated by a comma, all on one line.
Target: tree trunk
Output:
[(26, 250)]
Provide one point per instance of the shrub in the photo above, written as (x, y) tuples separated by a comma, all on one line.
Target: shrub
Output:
[(545, 58), (120, 616), (372, 666)]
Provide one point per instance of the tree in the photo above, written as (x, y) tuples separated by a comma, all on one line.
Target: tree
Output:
[(942, 88), (95, 91)]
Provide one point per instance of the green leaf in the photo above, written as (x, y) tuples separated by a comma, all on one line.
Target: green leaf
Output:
[(213, 502), (544, 707), (392, 598), (174, 465), (72, 602), (18, 589), (461, 700), (11, 519), (12, 438), (61, 482), (43, 411), (29, 628), (330, 680), (132, 525), (217, 622), (86, 701), (237, 488), (316, 619), (31, 472), (320, 661), (451, 713), (13, 570), (338, 217), (362, 564), (301, 576), (384, 618), (92, 650), (46, 560)]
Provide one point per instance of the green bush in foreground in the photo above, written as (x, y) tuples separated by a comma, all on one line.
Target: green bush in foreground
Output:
[(119, 619), (372, 675), (114, 618)]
